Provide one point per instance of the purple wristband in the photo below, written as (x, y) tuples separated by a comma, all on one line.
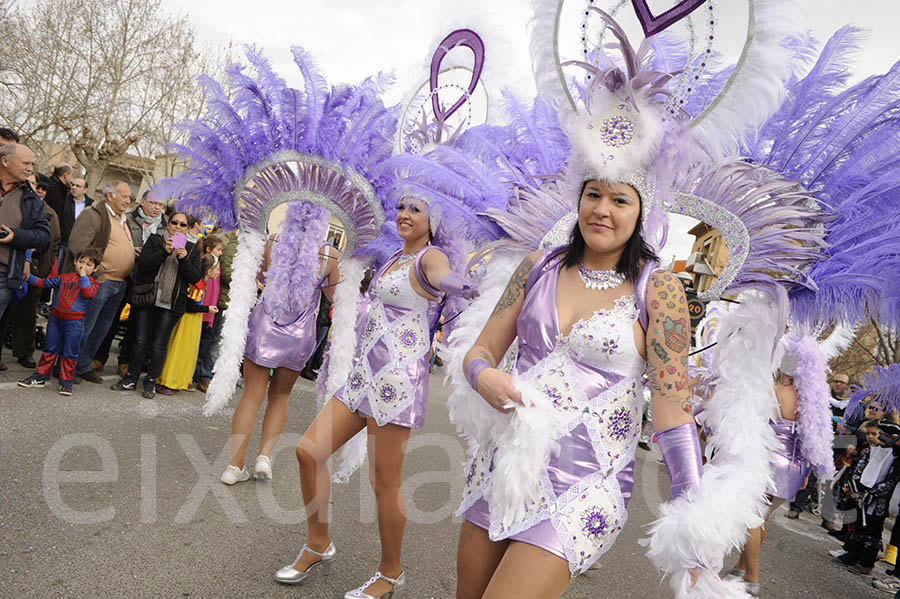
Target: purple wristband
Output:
[(473, 369), (680, 449)]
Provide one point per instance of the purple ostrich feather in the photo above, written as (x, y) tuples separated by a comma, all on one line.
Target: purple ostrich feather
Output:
[(881, 385), (843, 145)]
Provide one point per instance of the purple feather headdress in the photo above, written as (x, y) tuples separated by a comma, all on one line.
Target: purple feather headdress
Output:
[(843, 145), (268, 143)]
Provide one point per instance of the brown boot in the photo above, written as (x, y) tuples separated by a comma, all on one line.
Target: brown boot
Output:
[(96, 365), (123, 369), (203, 386)]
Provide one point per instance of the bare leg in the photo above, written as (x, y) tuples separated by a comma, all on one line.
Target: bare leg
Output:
[(276, 408), (256, 380), (751, 551), (477, 557), (387, 446), (332, 427), (528, 572)]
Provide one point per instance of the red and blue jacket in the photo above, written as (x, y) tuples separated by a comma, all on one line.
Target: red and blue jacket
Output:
[(74, 292)]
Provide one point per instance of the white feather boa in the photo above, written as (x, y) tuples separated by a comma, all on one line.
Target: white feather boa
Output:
[(251, 245), (702, 526), (475, 420), (341, 354)]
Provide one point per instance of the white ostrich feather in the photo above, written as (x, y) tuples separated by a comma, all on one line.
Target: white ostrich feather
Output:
[(251, 245), (702, 526), (837, 342), (758, 88)]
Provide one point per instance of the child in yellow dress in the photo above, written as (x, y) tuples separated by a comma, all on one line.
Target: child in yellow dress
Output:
[(184, 344)]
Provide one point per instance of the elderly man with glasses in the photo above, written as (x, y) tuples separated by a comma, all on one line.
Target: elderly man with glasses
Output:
[(102, 227)]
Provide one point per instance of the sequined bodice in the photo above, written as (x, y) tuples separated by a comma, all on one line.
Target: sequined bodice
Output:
[(394, 289), (605, 341)]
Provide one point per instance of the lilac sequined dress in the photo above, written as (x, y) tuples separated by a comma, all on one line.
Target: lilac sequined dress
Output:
[(593, 375), (286, 340), (389, 379), (789, 467)]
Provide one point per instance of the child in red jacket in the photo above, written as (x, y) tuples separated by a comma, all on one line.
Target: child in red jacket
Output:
[(66, 323)]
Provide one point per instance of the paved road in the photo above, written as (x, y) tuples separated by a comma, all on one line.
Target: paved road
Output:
[(108, 495)]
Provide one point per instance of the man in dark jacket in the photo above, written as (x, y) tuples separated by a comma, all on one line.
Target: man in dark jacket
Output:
[(23, 316), (23, 223), (58, 187), (76, 201)]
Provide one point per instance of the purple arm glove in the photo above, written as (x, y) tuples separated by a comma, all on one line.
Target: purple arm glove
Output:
[(455, 284), (680, 449), (473, 369)]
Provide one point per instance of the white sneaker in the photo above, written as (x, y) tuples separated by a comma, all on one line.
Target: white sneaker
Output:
[(263, 467), (233, 474), (837, 552)]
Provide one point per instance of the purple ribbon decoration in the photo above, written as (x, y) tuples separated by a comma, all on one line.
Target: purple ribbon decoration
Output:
[(460, 37), (653, 24)]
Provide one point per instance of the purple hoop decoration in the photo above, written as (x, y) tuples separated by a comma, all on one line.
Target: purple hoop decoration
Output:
[(460, 37), (653, 24)]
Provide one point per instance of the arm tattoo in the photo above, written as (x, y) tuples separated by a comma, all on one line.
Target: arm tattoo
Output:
[(514, 288), (677, 334), (487, 357)]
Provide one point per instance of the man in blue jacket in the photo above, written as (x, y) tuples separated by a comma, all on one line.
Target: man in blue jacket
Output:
[(23, 222)]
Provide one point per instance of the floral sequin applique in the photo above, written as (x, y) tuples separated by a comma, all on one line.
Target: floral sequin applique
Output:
[(589, 517), (479, 473), (614, 423)]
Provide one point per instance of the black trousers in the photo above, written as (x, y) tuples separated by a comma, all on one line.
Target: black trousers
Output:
[(22, 319), (152, 329), (864, 542)]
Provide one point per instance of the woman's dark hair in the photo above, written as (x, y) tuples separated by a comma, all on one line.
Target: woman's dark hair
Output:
[(636, 249)]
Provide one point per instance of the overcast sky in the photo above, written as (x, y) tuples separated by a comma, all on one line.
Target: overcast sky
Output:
[(352, 39)]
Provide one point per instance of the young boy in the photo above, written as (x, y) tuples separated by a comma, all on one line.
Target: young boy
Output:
[(66, 324), (872, 483)]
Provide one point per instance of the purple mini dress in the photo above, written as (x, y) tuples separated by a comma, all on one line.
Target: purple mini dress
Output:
[(789, 467), (593, 376), (286, 340), (389, 379)]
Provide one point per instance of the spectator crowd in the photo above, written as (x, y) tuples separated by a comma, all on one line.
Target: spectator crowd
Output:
[(105, 268)]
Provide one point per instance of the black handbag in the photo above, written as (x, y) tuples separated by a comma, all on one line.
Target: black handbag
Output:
[(143, 295)]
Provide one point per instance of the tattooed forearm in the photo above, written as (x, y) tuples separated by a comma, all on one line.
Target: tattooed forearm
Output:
[(514, 287)]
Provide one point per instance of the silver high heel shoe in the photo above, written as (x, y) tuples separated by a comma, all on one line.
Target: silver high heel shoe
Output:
[(398, 583), (288, 575)]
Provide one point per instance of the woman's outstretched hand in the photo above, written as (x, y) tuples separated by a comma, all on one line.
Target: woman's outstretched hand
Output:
[(498, 389)]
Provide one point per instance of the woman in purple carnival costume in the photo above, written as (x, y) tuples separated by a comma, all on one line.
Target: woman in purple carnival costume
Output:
[(386, 391), (575, 311), (279, 341), (318, 151)]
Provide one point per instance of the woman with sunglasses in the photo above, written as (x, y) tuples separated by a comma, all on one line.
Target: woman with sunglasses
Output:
[(167, 264)]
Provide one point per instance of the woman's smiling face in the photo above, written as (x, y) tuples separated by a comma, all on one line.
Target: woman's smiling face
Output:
[(412, 219), (608, 214)]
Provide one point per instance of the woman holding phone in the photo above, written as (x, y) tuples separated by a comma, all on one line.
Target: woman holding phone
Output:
[(167, 264)]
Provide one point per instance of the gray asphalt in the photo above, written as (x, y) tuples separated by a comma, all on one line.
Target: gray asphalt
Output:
[(108, 495)]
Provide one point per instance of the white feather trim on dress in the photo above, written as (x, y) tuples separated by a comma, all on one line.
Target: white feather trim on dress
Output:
[(251, 245), (702, 526)]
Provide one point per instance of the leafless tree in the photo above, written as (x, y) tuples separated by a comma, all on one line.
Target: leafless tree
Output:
[(873, 346), (104, 77)]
